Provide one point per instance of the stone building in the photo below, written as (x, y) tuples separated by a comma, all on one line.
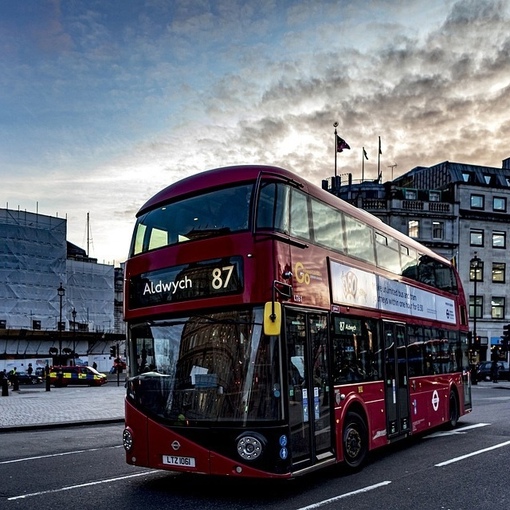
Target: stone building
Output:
[(462, 212)]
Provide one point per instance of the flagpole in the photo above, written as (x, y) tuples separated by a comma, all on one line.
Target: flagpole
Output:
[(379, 162), (362, 164), (335, 124)]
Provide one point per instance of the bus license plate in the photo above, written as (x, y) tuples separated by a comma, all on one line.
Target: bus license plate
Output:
[(172, 460)]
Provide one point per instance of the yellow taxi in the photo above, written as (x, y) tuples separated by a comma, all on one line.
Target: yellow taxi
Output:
[(88, 376)]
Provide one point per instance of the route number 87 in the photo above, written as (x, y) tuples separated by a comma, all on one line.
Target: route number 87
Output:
[(221, 277)]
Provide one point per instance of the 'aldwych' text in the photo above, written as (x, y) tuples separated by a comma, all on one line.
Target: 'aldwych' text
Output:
[(160, 287)]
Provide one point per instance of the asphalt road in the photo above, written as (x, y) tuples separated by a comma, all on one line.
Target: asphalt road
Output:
[(459, 470)]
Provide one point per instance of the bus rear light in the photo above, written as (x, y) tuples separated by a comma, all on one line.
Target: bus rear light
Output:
[(127, 440), (250, 446)]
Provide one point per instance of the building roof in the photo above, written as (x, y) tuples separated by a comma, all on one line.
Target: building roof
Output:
[(444, 174)]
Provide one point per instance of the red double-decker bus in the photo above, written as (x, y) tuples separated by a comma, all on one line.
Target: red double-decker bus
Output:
[(274, 329)]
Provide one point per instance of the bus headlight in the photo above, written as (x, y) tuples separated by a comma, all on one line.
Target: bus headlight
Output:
[(127, 440), (250, 446)]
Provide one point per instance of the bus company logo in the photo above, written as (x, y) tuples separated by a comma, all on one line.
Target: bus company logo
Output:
[(435, 400), (305, 276), (171, 287)]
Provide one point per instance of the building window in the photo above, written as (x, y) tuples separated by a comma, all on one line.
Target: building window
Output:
[(410, 194), (498, 272), (467, 176), (499, 204), (477, 202), (413, 229), (475, 307), (434, 196), (476, 274), (489, 179), (498, 308), (476, 238), (499, 240), (437, 230)]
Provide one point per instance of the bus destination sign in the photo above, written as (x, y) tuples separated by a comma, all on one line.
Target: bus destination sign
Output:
[(203, 279)]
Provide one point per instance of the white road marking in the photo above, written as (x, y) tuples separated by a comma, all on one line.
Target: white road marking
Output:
[(460, 430), (472, 454), (79, 486), (24, 459), (346, 495)]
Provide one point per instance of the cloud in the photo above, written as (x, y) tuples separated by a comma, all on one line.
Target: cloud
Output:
[(103, 104)]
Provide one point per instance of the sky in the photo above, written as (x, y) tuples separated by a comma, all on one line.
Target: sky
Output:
[(104, 103)]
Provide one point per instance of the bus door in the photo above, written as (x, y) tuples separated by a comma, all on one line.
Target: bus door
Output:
[(397, 380), (308, 382)]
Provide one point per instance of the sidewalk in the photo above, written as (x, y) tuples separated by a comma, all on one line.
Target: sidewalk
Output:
[(33, 406)]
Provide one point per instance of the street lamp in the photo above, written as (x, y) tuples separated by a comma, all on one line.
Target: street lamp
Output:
[(61, 293), (475, 265), (73, 313)]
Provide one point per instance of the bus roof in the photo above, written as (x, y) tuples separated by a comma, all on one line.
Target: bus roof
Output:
[(208, 179), (219, 177)]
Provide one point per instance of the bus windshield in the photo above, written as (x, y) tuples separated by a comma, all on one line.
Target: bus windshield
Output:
[(210, 214), (218, 367)]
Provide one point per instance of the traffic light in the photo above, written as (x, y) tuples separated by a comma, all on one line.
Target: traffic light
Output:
[(113, 351), (473, 341)]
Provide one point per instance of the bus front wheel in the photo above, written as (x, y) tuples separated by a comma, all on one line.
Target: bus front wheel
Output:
[(354, 441)]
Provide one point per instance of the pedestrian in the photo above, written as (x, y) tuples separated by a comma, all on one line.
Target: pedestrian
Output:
[(494, 371), (11, 376), (30, 369), (13, 379), (94, 365), (4, 383)]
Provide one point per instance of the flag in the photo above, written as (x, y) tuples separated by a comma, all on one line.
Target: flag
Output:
[(380, 151), (341, 144), (365, 153)]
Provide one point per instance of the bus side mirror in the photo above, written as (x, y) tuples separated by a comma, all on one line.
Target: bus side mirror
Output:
[(272, 318)]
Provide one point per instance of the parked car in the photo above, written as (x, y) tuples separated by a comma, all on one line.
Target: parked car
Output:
[(65, 376), (483, 371), (24, 378), (40, 372), (118, 366)]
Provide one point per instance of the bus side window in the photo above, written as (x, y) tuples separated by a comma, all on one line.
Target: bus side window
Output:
[(328, 228), (387, 252), (273, 207), (299, 225), (409, 260), (360, 240)]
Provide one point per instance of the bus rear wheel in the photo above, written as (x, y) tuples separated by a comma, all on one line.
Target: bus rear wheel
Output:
[(454, 410), (354, 441)]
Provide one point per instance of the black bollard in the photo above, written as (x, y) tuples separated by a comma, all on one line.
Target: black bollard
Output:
[(48, 382), (5, 388)]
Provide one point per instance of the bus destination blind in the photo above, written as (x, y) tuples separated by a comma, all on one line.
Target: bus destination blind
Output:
[(197, 280)]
